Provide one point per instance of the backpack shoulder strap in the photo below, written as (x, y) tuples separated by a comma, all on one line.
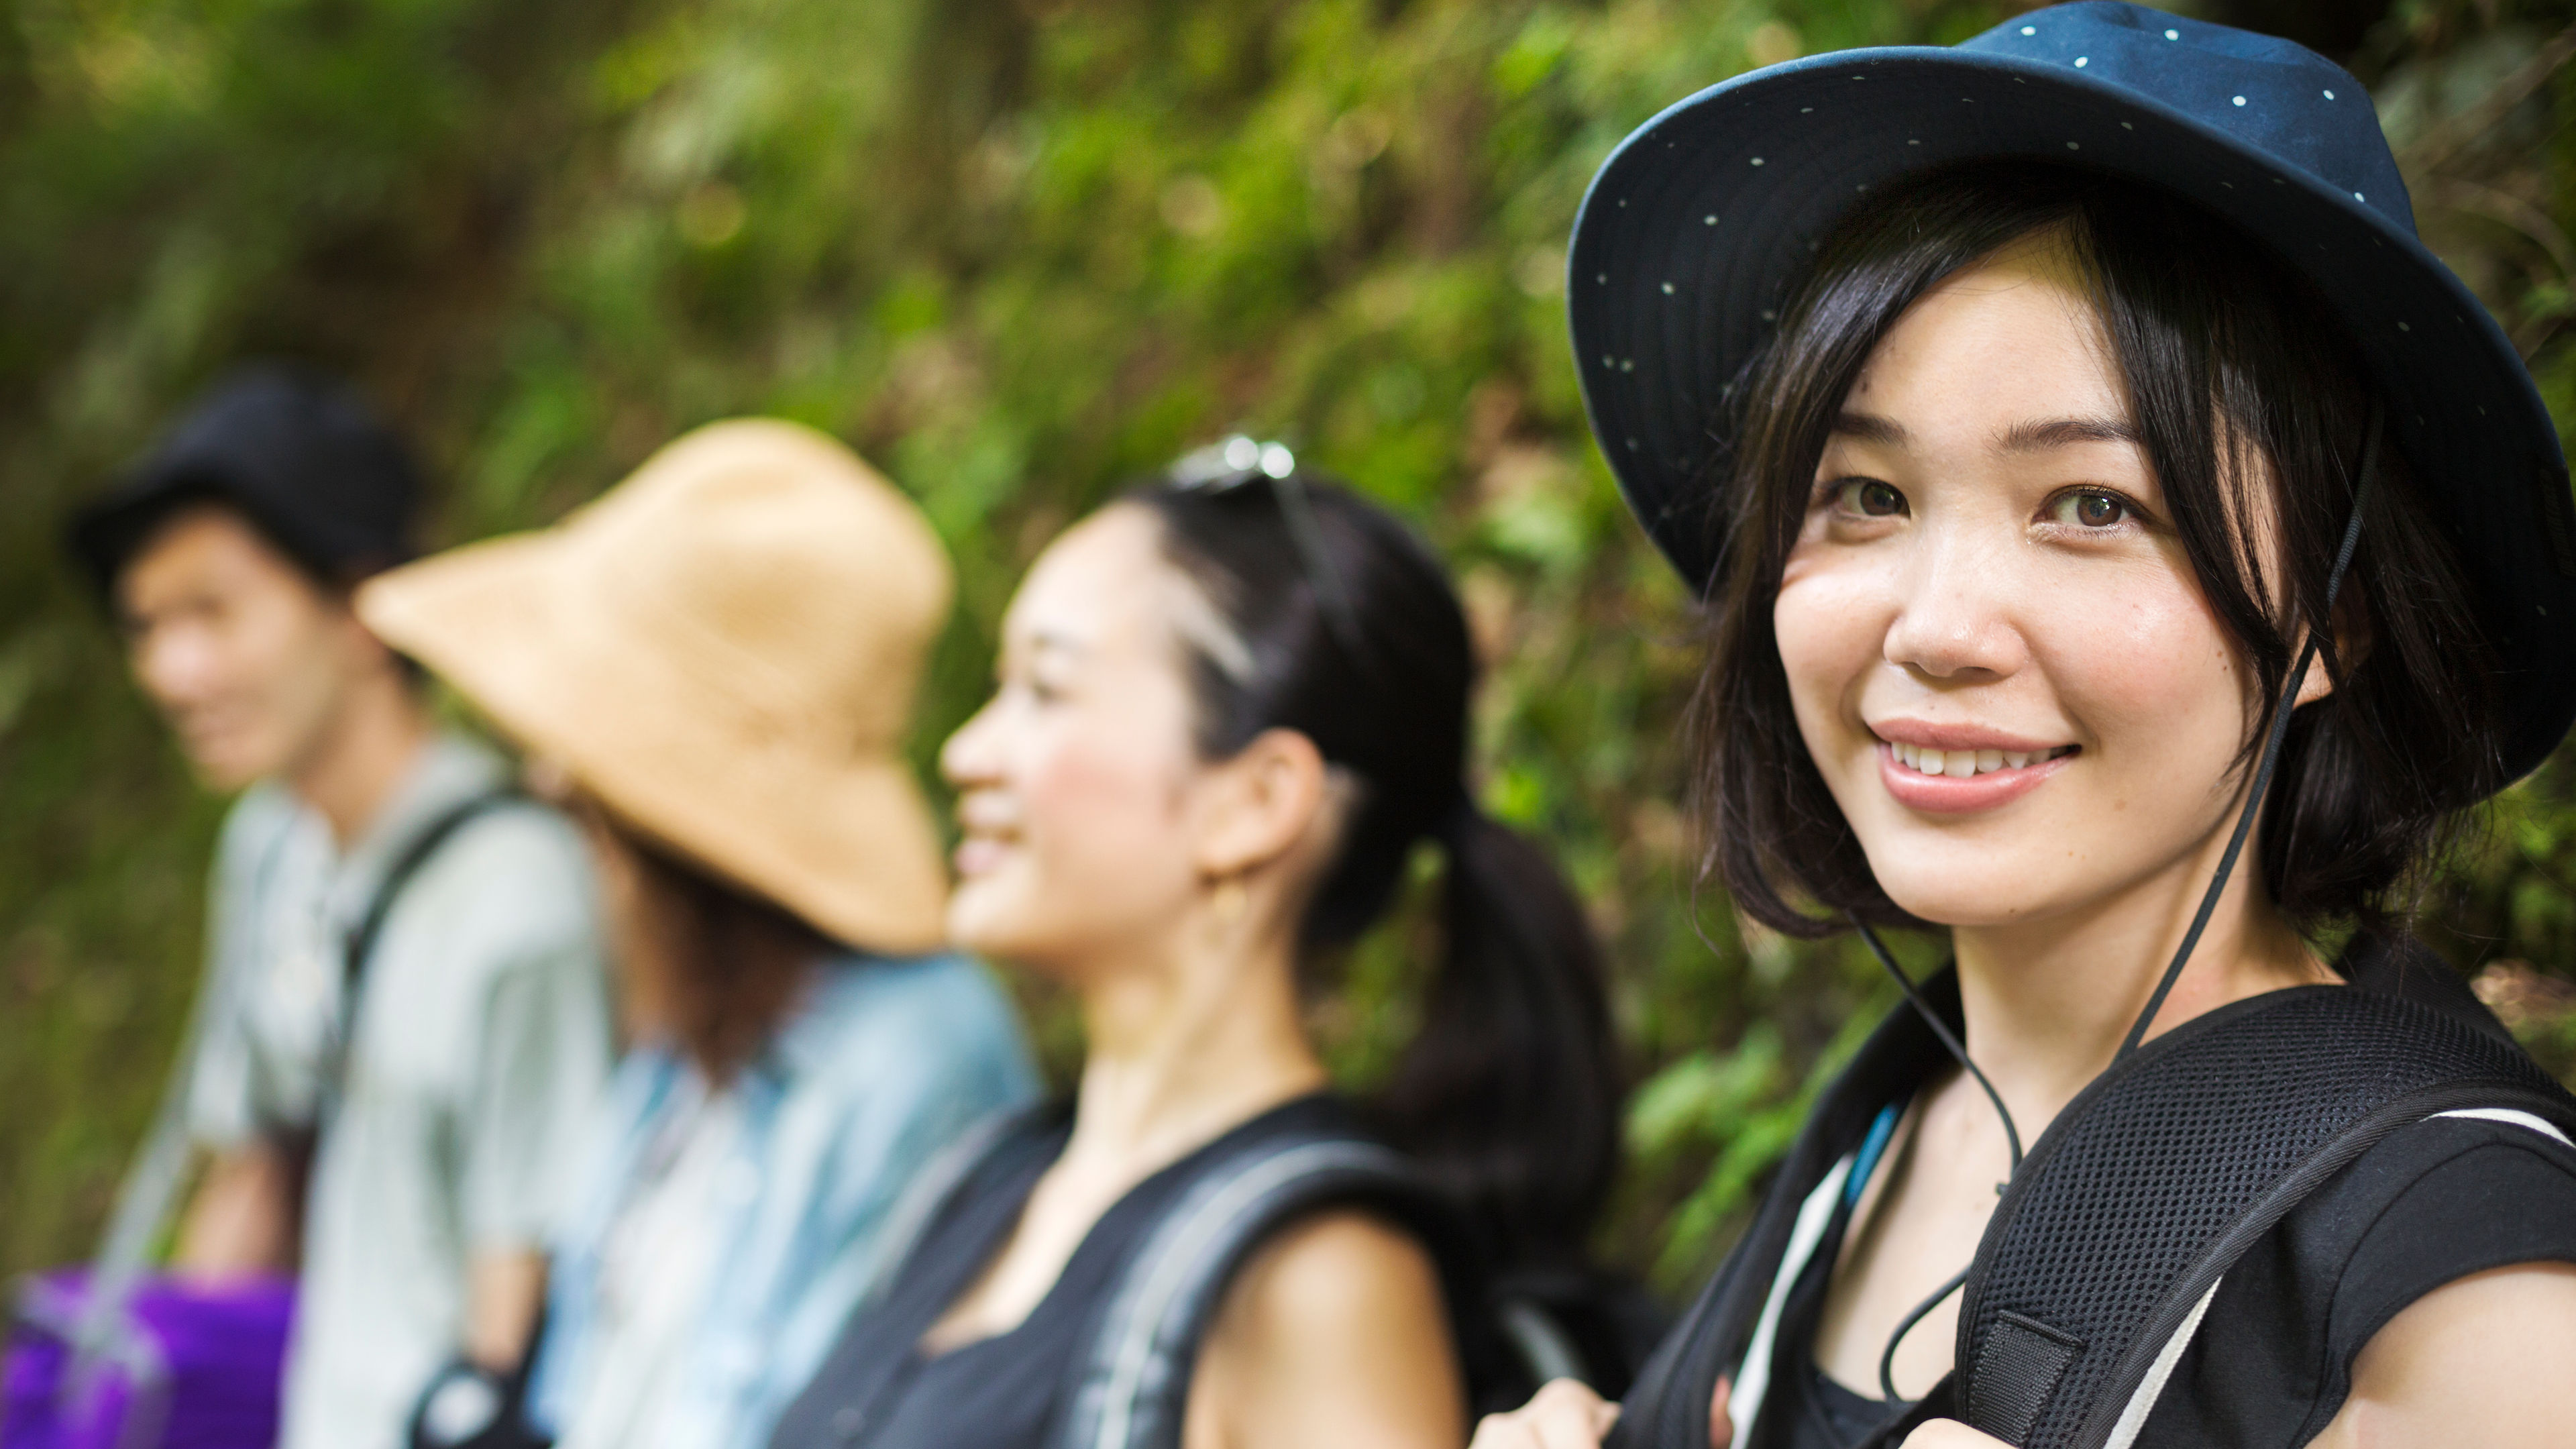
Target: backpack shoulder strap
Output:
[(933, 1245), (1722, 1333), (1130, 1384), (359, 945), (936, 1183), (2110, 1243)]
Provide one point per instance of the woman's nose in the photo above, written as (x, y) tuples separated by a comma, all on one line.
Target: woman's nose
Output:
[(966, 758), (1957, 610)]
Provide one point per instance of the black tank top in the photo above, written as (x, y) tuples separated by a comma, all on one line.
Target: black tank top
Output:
[(879, 1390)]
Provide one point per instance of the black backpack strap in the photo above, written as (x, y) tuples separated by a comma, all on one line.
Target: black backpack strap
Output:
[(1668, 1406), (938, 1237), (1130, 1386), (2112, 1239), (937, 1182), (359, 945)]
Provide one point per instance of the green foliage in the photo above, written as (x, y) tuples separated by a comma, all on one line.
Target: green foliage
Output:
[(1016, 251)]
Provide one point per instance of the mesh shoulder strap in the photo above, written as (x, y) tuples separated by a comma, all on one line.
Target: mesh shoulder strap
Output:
[(2110, 1243), (1130, 1385)]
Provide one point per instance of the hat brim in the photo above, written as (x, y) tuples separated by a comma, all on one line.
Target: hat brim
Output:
[(1696, 230), (847, 845)]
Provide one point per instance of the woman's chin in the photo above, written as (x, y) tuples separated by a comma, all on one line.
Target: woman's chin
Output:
[(979, 920), (1970, 895)]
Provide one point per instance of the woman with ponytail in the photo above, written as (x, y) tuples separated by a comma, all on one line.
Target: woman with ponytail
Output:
[(1230, 710)]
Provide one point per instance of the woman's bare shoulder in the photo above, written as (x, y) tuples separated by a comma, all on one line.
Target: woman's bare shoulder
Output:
[(1335, 1331)]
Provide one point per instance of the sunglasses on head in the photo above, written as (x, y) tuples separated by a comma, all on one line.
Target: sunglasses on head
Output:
[(1239, 463)]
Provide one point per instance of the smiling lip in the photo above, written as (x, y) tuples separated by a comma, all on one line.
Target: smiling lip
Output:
[(1946, 794), (977, 854), (1956, 737)]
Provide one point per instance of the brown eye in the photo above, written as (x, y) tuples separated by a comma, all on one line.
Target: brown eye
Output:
[(1872, 498), (2093, 510)]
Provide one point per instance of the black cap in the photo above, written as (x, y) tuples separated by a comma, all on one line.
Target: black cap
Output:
[(1698, 226), (300, 455)]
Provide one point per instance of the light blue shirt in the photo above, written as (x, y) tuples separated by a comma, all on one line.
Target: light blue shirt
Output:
[(886, 1062)]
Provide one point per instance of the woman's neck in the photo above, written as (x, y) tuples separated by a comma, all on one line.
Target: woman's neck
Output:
[(1186, 1044), (2048, 1002)]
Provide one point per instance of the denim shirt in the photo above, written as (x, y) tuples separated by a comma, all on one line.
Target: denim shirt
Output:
[(886, 1062)]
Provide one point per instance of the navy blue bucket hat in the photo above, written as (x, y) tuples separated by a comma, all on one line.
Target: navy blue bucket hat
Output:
[(1700, 225)]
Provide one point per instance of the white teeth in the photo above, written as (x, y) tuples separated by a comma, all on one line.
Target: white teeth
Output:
[(1962, 764)]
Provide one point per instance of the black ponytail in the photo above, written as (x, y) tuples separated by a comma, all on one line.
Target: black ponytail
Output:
[(1345, 629)]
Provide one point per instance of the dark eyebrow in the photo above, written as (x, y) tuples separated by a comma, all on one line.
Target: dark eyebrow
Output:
[(1870, 428), (2066, 432)]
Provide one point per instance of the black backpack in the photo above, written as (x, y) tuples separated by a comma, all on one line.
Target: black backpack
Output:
[(1128, 1387), (2113, 1236)]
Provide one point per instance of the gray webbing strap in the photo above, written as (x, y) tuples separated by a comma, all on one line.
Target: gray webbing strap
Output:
[(1129, 1395), (909, 1219)]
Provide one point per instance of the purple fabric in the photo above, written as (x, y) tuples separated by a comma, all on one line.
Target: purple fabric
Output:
[(223, 1350)]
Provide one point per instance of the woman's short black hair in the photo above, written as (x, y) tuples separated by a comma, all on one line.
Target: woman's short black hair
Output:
[(2249, 404)]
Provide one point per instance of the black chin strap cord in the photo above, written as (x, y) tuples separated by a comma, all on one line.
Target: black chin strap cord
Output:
[(1949, 1041), (2012, 1139), (2279, 732)]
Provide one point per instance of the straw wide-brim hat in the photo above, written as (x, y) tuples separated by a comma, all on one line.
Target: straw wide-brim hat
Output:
[(723, 650)]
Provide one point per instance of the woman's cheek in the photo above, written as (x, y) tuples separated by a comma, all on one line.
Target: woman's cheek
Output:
[(1106, 843), (1829, 636), (2151, 669)]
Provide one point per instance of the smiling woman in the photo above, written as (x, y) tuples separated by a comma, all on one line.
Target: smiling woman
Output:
[(1229, 711), (2149, 486), (2061, 537)]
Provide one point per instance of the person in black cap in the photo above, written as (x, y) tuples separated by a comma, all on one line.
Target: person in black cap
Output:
[(405, 1021), (2085, 465)]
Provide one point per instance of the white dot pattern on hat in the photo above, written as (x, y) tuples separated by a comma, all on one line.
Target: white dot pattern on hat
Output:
[(1668, 289), (2030, 30), (1710, 219), (2329, 95), (2081, 60), (1757, 160), (2240, 100), (2173, 35)]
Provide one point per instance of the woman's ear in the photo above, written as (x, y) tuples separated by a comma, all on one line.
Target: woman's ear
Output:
[(1257, 806), (2352, 645)]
